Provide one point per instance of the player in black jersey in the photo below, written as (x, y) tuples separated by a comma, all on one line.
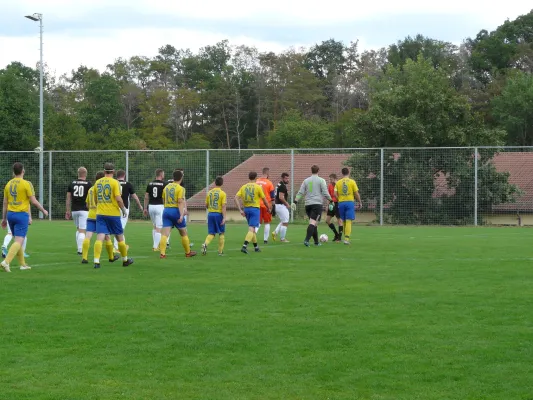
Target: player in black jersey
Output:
[(126, 190), (153, 205), (282, 208), (76, 206)]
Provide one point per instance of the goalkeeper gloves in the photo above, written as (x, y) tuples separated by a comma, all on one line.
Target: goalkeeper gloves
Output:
[(293, 206), (331, 206)]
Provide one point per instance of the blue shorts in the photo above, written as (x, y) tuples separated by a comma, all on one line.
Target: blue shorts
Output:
[(91, 225), (213, 223), (253, 215), (170, 218), (109, 225), (347, 210), (18, 223)]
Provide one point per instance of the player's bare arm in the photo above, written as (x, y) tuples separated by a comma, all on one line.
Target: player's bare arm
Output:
[(282, 199), (120, 203), (358, 197), (67, 206), (238, 204), (136, 198), (181, 207), (223, 214), (4, 214), (36, 203), (145, 210)]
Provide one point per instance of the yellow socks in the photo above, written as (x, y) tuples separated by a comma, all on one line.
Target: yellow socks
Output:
[(98, 245), (163, 245), (254, 238), (85, 248), (123, 249), (186, 244), (347, 229), (110, 249), (249, 236), (221, 244), (20, 255), (13, 251), (208, 239)]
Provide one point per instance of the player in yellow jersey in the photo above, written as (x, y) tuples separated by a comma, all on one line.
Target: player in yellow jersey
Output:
[(347, 191), (109, 206), (174, 215), (18, 194), (251, 195), (215, 203), (91, 226)]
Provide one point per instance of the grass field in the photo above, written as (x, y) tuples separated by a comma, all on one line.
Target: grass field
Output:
[(403, 313)]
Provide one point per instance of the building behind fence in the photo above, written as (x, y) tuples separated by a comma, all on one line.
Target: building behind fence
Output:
[(421, 186)]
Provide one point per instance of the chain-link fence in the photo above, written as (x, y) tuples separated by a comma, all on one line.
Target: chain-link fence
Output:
[(420, 186)]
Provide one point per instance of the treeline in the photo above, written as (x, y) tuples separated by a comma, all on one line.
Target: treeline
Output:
[(417, 92)]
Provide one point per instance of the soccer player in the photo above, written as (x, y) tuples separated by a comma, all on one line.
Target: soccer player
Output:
[(347, 191), (173, 215), (251, 195), (333, 209), (186, 213), (215, 202), (76, 195), (282, 208), (126, 190), (9, 237), (266, 216), (109, 206), (18, 194), (91, 227), (153, 206), (314, 189)]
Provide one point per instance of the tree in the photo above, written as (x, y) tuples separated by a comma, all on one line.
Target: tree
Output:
[(294, 131), (155, 114)]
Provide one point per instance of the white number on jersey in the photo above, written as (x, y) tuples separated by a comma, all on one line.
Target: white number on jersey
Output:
[(78, 191)]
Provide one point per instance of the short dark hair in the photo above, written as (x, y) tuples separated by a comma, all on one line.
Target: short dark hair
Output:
[(18, 167), (266, 170), (284, 175), (334, 176), (121, 173), (219, 181), (177, 175), (109, 167), (345, 171), (315, 169), (99, 175), (252, 175), (158, 172)]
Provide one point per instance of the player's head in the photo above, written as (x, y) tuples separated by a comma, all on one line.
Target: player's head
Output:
[(121, 174), (252, 175), (109, 168), (182, 172), (219, 181), (315, 169), (333, 178), (177, 175), (345, 171), (82, 172), (266, 171), (285, 177), (18, 169), (99, 175), (159, 174)]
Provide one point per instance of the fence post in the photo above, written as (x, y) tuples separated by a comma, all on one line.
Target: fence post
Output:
[(475, 185), (49, 185), (381, 178), (127, 164), (206, 178), (292, 183)]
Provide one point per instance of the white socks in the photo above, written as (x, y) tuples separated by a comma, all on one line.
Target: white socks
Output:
[(7, 240), (157, 239), (80, 237), (24, 244), (77, 241), (266, 232), (283, 231)]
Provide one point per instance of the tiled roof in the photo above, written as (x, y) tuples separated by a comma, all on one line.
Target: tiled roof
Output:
[(520, 168)]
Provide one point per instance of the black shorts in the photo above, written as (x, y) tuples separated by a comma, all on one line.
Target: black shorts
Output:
[(314, 211), (335, 211)]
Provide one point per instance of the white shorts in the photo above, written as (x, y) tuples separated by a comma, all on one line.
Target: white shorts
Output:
[(156, 214), (124, 220), (283, 213), (80, 219)]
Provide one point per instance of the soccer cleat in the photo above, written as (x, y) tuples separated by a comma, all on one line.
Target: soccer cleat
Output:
[(220, 254), (265, 241), (80, 253), (115, 258), (5, 266), (191, 244), (274, 236), (24, 267), (84, 262), (26, 255), (162, 256), (284, 241), (337, 239), (306, 243), (128, 262), (156, 249), (204, 249), (190, 254), (346, 242), (244, 250), (168, 245), (4, 252), (318, 244), (257, 250), (96, 265)]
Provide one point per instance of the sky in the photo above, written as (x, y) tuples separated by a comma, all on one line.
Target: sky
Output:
[(96, 32)]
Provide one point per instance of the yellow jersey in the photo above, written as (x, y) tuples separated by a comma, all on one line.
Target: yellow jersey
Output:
[(91, 204), (18, 193), (172, 193), (346, 189), (106, 193), (251, 194), (215, 199)]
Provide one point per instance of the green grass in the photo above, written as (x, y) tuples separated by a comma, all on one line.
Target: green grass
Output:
[(403, 313)]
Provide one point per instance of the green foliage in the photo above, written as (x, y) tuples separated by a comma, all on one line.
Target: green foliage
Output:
[(295, 131)]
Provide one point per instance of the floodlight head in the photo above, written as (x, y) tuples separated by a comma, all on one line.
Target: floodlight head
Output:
[(34, 17)]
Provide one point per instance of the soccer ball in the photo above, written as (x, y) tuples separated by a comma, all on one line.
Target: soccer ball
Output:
[(324, 238)]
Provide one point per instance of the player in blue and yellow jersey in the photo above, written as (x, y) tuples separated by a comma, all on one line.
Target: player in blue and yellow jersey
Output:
[(347, 191), (109, 206), (174, 215), (215, 203), (18, 194), (251, 195)]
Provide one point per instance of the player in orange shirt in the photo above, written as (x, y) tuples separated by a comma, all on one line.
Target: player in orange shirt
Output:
[(266, 215)]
